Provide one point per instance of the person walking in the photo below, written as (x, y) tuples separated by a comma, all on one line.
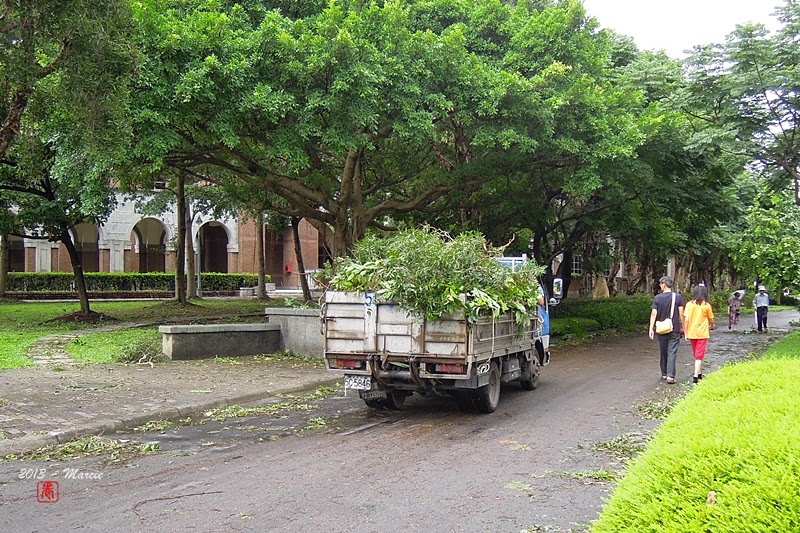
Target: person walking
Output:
[(698, 321), (667, 305), (761, 303), (734, 310)]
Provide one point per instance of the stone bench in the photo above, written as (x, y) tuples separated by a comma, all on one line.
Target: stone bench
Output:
[(224, 340)]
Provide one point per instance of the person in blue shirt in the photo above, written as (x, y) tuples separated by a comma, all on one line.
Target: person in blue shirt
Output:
[(761, 303)]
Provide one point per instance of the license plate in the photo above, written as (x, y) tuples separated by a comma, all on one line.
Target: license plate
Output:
[(358, 382)]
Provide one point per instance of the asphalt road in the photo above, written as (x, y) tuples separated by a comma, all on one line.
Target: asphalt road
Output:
[(332, 464)]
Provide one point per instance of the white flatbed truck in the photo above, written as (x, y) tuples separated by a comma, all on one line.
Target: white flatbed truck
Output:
[(387, 355)]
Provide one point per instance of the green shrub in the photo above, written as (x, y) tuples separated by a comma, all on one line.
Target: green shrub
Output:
[(578, 327), (736, 435), (122, 281), (719, 302), (620, 312), (790, 300)]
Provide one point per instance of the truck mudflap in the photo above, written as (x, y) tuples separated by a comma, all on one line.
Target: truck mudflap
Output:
[(543, 350)]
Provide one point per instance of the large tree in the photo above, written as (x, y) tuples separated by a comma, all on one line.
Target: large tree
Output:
[(747, 90), (365, 111), (768, 247), (52, 189), (63, 68)]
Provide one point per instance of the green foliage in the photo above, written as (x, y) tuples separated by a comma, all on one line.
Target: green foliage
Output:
[(620, 312), (735, 435), (355, 112), (125, 346), (13, 346), (112, 451), (768, 248), (719, 304), (576, 327), (122, 281), (431, 274)]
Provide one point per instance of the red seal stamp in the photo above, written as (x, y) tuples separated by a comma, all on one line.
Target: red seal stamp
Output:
[(47, 491)]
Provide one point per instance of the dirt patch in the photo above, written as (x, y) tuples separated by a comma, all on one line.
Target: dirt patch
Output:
[(77, 317)]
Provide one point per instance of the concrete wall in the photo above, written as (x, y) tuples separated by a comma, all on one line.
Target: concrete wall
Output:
[(224, 340), (300, 330)]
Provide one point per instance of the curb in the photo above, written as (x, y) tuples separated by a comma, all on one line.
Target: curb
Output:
[(28, 443)]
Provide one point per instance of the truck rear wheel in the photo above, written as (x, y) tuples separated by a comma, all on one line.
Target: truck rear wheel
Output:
[(487, 398), (393, 400), (530, 376), (465, 400)]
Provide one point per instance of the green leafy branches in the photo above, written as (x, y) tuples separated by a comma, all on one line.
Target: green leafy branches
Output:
[(430, 273)]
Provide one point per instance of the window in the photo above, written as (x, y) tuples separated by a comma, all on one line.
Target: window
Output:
[(577, 265)]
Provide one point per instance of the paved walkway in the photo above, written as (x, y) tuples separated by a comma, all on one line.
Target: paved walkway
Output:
[(52, 404)]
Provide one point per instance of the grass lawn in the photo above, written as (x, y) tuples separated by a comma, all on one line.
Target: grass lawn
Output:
[(109, 346), (726, 459), (13, 346), (22, 324), (786, 348)]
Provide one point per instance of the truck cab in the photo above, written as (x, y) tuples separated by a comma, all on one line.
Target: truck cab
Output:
[(514, 263)]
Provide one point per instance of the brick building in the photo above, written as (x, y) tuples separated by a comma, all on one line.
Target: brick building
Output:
[(130, 242)]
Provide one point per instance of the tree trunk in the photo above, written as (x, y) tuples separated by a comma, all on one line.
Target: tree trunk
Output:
[(3, 265), (191, 271), (262, 268), (611, 279), (600, 290), (77, 270), (298, 251), (180, 260)]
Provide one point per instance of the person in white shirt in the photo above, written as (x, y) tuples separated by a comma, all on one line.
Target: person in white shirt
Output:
[(761, 303)]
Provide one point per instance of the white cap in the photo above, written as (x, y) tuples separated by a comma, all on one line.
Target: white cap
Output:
[(762, 288)]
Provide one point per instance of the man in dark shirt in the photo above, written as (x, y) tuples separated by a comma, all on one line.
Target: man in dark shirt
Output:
[(667, 342)]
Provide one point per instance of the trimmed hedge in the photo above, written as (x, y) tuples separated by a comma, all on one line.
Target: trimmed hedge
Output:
[(121, 281), (619, 312)]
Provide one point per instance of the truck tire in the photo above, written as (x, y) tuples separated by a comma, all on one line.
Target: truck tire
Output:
[(393, 401), (530, 376), (465, 400), (487, 398), (374, 404)]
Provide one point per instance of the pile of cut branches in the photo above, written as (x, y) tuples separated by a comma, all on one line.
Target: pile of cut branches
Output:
[(429, 273)]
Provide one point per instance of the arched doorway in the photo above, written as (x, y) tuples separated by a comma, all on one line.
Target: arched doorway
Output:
[(150, 235), (213, 248), (16, 254), (85, 237)]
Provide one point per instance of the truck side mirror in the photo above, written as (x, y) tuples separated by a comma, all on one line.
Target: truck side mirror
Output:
[(558, 288)]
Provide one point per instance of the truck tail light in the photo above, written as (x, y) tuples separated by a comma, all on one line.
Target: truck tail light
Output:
[(349, 363), (449, 369)]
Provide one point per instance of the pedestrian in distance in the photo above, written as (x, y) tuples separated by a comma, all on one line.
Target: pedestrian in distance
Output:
[(734, 310), (761, 303), (667, 305), (698, 321)]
